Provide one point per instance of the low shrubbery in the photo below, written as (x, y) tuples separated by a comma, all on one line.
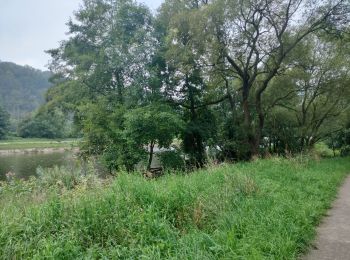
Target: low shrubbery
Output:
[(264, 209)]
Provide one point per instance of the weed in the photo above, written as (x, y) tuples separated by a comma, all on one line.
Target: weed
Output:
[(266, 209)]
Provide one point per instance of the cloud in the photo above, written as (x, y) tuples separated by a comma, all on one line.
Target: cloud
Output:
[(28, 28)]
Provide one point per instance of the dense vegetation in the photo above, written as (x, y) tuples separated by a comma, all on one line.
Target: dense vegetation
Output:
[(4, 123), (233, 79), (22, 89), (45, 124), (199, 81), (22, 92), (267, 209)]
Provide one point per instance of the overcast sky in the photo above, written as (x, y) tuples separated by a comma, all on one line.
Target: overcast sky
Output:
[(28, 27)]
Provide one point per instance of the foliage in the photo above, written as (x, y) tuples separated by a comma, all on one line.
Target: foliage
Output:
[(102, 126), (4, 123), (67, 178), (323, 150), (262, 210), (242, 78), (124, 138), (172, 160), (44, 125), (152, 127), (341, 140), (312, 108), (22, 89)]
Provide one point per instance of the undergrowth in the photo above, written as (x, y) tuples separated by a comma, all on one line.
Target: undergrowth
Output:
[(267, 209)]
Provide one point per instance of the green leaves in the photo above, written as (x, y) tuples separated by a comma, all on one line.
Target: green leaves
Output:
[(110, 45), (44, 124), (4, 123), (153, 123), (222, 66)]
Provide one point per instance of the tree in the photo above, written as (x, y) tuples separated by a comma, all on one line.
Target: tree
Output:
[(152, 126), (102, 126), (125, 138), (185, 83), (103, 70), (341, 140), (44, 124), (4, 123), (311, 91), (251, 41), (111, 43), (239, 76)]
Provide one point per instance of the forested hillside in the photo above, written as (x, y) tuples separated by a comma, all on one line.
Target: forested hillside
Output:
[(22, 89)]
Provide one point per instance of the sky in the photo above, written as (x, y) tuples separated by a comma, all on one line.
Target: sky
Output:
[(29, 27)]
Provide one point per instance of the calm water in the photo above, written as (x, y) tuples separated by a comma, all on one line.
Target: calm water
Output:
[(24, 165)]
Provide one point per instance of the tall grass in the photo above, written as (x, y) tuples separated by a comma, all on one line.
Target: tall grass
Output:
[(267, 209)]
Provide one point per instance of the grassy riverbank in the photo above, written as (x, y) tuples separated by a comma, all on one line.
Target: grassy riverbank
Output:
[(266, 209), (35, 143)]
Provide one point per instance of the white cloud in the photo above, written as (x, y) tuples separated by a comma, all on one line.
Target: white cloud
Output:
[(28, 28)]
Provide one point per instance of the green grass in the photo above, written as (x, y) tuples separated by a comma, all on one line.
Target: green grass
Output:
[(35, 143), (267, 209)]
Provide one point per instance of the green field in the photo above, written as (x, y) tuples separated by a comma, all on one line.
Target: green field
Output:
[(31, 143), (267, 209)]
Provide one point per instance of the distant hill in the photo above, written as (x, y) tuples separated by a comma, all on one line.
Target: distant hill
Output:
[(22, 89)]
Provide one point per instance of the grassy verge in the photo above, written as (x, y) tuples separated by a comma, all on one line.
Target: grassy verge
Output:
[(34, 143), (267, 209)]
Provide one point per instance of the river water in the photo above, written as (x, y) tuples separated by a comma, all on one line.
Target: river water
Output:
[(25, 165)]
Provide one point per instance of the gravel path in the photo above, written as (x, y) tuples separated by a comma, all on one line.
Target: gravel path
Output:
[(333, 235)]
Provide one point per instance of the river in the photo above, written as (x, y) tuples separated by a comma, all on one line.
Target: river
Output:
[(24, 165)]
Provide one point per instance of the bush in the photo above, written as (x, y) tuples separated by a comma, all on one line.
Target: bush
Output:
[(43, 125), (66, 177), (172, 160), (322, 150)]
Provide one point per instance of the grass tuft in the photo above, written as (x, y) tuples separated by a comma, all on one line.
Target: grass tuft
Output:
[(267, 209)]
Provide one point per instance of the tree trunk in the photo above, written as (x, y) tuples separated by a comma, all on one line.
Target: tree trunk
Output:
[(251, 141), (333, 147), (195, 138), (120, 88), (261, 119), (150, 159), (231, 102)]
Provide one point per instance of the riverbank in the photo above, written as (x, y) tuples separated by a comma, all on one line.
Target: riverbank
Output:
[(267, 209), (32, 145), (38, 150)]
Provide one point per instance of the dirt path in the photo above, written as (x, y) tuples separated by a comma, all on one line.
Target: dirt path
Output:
[(333, 235)]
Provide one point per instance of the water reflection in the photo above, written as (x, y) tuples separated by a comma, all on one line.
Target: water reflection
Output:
[(25, 165)]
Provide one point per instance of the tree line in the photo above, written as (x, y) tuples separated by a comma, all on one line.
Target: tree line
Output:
[(229, 78), (22, 90)]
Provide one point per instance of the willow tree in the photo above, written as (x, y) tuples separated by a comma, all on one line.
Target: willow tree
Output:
[(251, 41), (185, 84), (319, 73)]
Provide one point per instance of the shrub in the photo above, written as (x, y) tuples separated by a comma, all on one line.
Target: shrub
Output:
[(172, 160)]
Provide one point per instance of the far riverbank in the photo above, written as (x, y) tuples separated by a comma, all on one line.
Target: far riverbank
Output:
[(38, 150), (20, 145)]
